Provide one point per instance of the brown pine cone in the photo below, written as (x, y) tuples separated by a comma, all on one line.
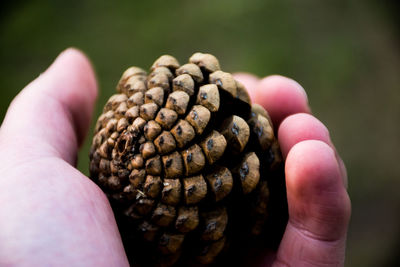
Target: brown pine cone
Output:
[(188, 164)]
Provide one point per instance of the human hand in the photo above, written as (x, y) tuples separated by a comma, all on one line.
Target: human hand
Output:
[(316, 178), (51, 214)]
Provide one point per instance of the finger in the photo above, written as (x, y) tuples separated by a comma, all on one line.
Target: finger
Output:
[(319, 208), (250, 82), (302, 126), (281, 97), (52, 114)]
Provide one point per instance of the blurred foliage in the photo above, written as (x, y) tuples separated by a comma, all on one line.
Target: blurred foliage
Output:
[(344, 53)]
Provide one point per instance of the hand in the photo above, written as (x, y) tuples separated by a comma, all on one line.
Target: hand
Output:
[(316, 178), (51, 214)]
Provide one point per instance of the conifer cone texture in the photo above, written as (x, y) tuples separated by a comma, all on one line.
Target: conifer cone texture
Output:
[(175, 151)]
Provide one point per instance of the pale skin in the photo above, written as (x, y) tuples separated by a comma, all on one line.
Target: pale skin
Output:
[(53, 215)]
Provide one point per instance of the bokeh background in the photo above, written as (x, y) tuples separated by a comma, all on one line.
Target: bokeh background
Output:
[(344, 53)]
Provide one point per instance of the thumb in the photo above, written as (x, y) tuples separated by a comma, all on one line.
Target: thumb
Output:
[(50, 117)]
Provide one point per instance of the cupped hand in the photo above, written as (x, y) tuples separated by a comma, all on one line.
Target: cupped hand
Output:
[(52, 215), (316, 178)]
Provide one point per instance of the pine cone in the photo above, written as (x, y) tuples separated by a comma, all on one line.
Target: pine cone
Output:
[(188, 163)]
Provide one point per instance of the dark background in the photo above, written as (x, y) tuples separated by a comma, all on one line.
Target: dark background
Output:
[(344, 53)]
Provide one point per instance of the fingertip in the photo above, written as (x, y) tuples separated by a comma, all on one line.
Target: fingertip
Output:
[(72, 81), (302, 126), (73, 63), (317, 198), (282, 97), (249, 81), (299, 127), (314, 158)]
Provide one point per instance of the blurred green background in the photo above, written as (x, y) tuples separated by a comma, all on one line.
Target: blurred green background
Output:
[(344, 53)]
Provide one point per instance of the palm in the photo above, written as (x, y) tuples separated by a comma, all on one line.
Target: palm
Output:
[(55, 206), (51, 214)]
